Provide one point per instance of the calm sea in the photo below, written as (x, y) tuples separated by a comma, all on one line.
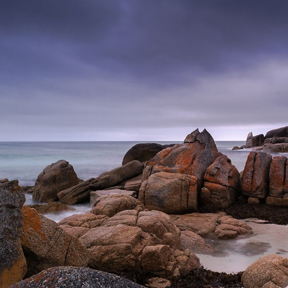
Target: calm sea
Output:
[(25, 160)]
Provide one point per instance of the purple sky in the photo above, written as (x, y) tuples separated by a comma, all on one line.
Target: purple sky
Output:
[(142, 69)]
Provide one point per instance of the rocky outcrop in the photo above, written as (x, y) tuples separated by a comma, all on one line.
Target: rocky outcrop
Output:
[(221, 184), (81, 192), (12, 261), (271, 271), (46, 245), (183, 166), (275, 140), (75, 277), (143, 152), (53, 179), (169, 192), (136, 243), (254, 180), (110, 205)]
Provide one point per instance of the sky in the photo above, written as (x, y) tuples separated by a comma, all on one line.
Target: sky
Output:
[(144, 70)]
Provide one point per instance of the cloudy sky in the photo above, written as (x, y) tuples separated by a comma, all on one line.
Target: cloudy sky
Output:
[(142, 69)]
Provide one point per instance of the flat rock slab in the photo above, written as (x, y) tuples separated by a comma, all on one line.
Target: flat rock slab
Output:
[(94, 195)]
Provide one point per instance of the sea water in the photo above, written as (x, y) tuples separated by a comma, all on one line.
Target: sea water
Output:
[(25, 160)]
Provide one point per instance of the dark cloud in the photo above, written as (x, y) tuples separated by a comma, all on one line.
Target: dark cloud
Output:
[(145, 64)]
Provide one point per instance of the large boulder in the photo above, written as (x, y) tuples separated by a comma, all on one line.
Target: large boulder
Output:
[(81, 192), (279, 132), (143, 152), (221, 184), (46, 244), (255, 176), (169, 192), (271, 271), (136, 243), (278, 180), (75, 277), (12, 261), (53, 179)]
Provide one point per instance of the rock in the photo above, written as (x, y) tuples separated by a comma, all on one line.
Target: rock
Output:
[(47, 245), (81, 192), (133, 184), (278, 178), (169, 192), (94, 195), (160, 224), (252, 200), (157, 282), (117, 245), (230, 228), (78, 224), (217, 196), (143, 152), (192, 157), (202, 224), (50, 207), (12, 261), (207, 224), (53, 179), (258, 140), (278, 201), (249, 140), (237, 148), (255, 176), (111, 204), (195, 243), (267, 271), (75, 277), (221, 184), (279, 132), (204, 138), (276, 148)]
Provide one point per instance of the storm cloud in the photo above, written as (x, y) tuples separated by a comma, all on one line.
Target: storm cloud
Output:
[(142, 69)]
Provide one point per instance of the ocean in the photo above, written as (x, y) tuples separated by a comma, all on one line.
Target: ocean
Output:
[(24, 161)]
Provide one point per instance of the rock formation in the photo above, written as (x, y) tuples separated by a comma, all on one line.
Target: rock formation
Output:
[(173, 180), (53, 179), (12, 261), (134, 242), (275, 140)]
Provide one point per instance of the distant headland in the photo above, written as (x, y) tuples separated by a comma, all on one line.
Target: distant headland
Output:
[(275, 140)]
